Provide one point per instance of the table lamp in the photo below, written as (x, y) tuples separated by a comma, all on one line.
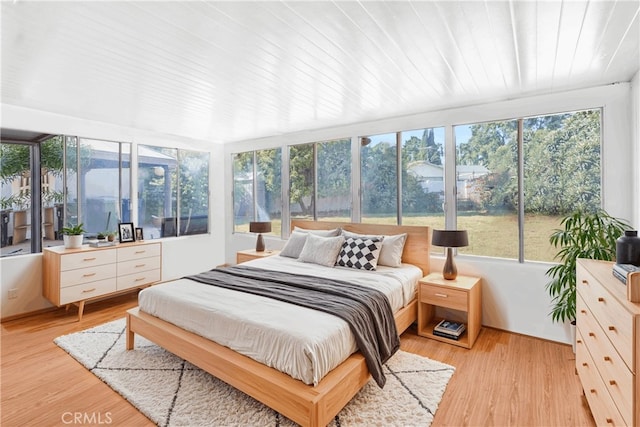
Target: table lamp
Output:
[(260, 227), (450, 239)]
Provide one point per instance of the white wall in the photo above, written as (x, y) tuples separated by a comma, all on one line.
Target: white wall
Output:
[(635, 123), (514, 295), (181, 255)]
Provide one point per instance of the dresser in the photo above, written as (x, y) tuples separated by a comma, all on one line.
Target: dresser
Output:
[(74, 276), (607, 345)]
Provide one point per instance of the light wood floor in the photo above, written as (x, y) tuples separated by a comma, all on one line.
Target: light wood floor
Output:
[(505, 380)]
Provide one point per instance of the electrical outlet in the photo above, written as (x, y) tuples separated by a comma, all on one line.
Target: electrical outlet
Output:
[(13, 293)]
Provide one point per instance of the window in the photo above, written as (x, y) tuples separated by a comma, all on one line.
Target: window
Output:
[(301, 182), (423, 177), (561, 173), (334, 180), (487, 187), (98, 183), (257, 191), (320, 180), (193, 183), (379, 178), (28, 158), (413, 196), (172, 181)]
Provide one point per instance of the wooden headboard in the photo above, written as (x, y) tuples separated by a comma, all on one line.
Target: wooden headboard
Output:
[(416, 248)]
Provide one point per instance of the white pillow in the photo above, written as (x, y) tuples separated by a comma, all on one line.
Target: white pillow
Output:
[(323, 233), (391, 252), (359, 253), (321, 250), (392, 247), (294, 245)]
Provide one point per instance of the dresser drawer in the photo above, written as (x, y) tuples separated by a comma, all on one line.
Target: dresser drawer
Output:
[(138, 279), (87, 290), (602, 406), (615, 320), (615, 375), (128, 253), (443, 297), (86, 275), (87, 259), (137, 265)]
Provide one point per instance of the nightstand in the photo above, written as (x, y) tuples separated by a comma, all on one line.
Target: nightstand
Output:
[(249, 254), (463, 294)]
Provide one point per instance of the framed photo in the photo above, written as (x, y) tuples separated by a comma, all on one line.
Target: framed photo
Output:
[(139, 235), (125, 231)]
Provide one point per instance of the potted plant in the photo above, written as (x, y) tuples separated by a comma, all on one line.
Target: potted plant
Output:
[(73, 235), (584, 234)]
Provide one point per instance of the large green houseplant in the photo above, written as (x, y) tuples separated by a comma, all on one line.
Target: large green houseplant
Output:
[(584, 234)]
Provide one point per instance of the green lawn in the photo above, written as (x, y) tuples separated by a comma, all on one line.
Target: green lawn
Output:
[(489, 235)]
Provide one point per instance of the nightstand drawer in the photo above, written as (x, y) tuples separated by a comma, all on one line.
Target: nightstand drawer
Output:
[(443, 297)]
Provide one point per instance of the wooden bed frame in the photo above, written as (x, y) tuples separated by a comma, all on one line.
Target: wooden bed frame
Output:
[(304, 404)]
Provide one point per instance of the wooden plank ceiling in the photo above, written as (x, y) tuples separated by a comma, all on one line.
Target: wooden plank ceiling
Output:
[(230, 71)]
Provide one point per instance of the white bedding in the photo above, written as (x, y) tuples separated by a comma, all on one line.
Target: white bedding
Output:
[(301, 342)]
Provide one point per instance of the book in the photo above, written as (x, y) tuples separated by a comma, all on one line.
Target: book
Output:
[(445, 335), (97, 244), (449, 327)]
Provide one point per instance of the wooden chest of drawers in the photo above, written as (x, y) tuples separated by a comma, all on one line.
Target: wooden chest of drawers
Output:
[(73, 276), (607, 345)]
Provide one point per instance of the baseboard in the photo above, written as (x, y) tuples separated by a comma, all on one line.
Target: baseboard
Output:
[(27, 314)]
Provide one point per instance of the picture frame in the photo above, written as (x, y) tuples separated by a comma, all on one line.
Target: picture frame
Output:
[(139, 233), (125, 232)]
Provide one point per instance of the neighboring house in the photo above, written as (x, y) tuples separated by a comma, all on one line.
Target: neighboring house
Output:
[(431, 178)]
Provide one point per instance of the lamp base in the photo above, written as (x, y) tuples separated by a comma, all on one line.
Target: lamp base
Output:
[(449, 272), (260, 244)]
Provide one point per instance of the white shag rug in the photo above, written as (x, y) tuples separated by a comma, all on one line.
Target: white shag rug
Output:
[(173, 392)]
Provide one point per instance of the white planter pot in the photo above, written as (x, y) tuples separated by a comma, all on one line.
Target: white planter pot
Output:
[(72, 242)]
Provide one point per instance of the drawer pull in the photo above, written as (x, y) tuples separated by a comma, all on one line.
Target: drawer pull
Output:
[(612, 328), (88, 274), (593, 391), (442, 295), (585, 364), (579, 341), (140, 252), (591, 334), (612, 382), (583, 311), (86, 291), (600, 299), (606, 358), (140, 279), (89, 259), (585, 282), (609, 421), (140, 265)]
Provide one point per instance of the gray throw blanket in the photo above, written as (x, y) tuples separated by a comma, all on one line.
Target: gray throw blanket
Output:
[(367, 311)]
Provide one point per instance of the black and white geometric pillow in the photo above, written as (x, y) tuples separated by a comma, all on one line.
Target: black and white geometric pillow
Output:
[(360, 253)]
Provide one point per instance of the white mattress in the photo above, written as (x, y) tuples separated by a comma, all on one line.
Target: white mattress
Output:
[(301, 342)]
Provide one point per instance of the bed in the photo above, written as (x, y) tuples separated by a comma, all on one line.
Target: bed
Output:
[(302, 403)]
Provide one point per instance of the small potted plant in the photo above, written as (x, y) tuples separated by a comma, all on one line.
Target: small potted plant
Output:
[(73, 235), (102, 236), (111, 235)]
